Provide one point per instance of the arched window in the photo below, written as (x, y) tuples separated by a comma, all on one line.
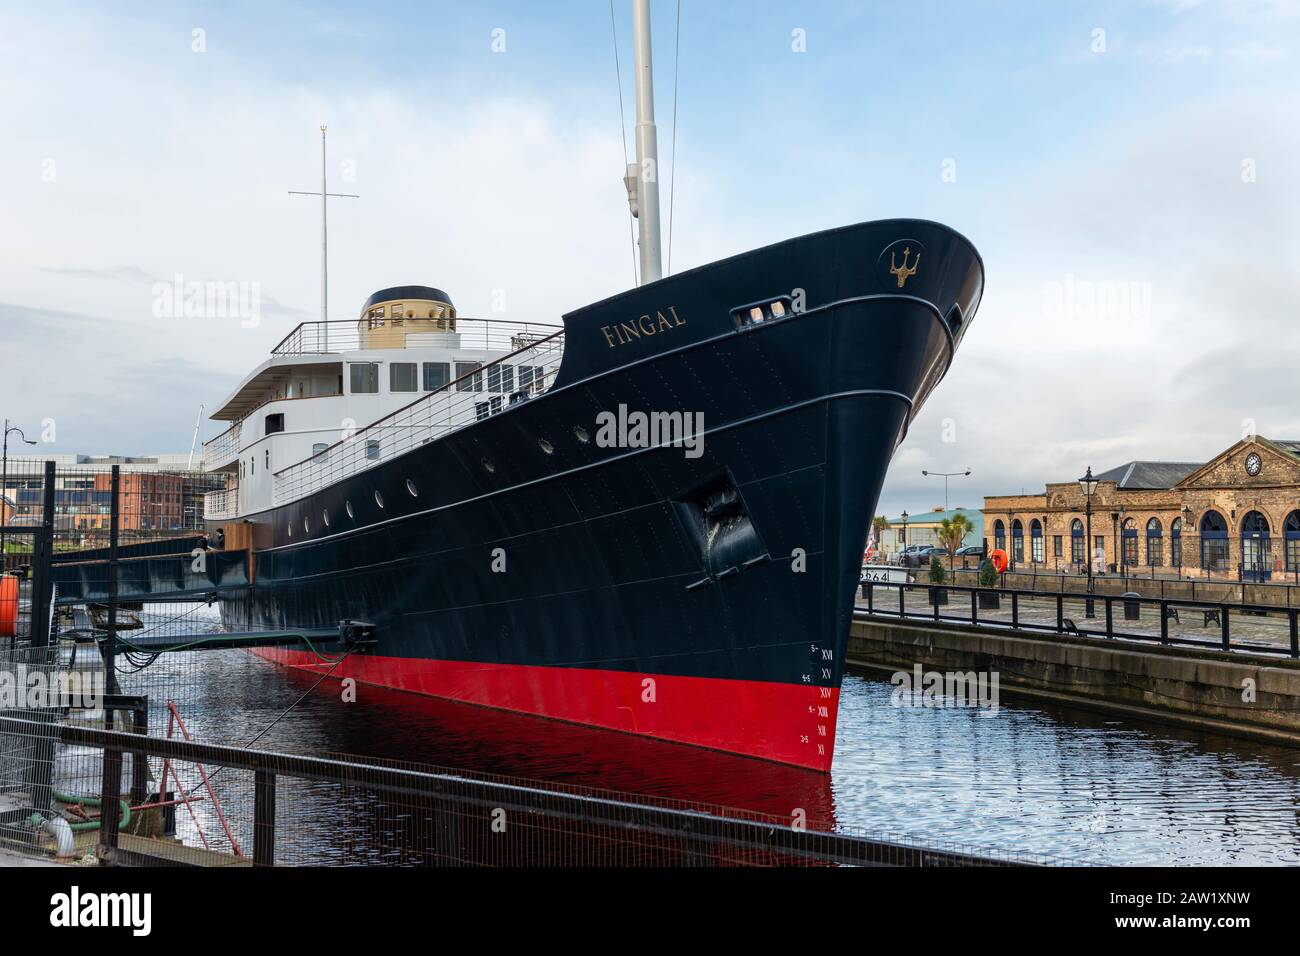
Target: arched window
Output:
[(1291, 536), (1078, 547), (1036, 541), (999, 535), (1129, 537), (1214, 542), (1155, 543), (1017, 541), (1176, 542), (1256, 551)]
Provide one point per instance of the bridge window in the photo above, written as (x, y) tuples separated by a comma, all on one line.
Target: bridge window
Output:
[(1078, 547), (401, 377), (471, 378), (501, 378), (436, 375), (1155, 544), (364, 378)]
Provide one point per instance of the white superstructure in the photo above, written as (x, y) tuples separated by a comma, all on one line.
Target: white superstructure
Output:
[(337, 397)]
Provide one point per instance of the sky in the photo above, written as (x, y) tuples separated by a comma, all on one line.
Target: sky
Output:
[(1128, 171)]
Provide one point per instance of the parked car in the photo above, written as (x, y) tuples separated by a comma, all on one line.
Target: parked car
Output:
[(922, 556), (971, 551)]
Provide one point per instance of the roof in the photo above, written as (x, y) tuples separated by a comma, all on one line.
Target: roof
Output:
[(1290, 445), (1149, 474), (407, 292), (927, 517)]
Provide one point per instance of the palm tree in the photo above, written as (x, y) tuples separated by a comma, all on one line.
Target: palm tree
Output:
[(952, 532)]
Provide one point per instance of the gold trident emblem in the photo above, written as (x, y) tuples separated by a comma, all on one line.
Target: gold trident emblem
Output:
[(904, 273)]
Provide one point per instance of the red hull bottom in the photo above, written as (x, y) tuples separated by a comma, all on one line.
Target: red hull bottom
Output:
[(786, 723)]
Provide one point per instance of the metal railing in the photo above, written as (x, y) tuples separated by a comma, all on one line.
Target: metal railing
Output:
[(319, 338), (222, 504), (456, 815), (225, 446), (522, 374), (1247, 628)]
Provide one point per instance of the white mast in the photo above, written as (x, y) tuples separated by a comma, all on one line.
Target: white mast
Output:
[(646, 171), (325, 195)]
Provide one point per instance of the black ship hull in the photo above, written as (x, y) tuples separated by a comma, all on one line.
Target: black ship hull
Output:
[(700, 595)]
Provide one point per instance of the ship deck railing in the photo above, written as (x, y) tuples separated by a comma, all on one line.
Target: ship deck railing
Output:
[(348, 335), (473, 397)]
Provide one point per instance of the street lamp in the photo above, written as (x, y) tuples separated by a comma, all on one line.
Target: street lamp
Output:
[(945, 475), (904, 529), (1089, 485), (4, 486)]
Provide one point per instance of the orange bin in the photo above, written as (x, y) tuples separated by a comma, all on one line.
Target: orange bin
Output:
[(8, 605)]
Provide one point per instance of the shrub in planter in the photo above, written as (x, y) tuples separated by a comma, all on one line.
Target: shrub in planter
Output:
[(988, 598), (938, 595)]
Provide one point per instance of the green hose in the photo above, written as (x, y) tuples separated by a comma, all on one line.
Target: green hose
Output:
[(92, 802)]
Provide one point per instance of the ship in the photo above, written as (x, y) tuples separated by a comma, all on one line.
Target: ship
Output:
[(648, 516)]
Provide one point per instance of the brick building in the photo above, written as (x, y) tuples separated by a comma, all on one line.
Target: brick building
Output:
[(1237, 515)]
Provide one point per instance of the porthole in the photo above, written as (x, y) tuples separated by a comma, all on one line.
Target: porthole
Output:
[(546, 447), (488, 466), (580, 433), (325, 516), (410, 486), (347, 505), (379, 499), (290, 527), (306, 528)]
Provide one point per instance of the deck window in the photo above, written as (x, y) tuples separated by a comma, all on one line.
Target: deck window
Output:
[(364, 378), (275, 423), (436, 375), (372, 449), (401, 377), (474, 383), (321, 450)]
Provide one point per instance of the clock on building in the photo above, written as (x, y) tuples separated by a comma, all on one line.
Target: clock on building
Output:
[(1253, 464)]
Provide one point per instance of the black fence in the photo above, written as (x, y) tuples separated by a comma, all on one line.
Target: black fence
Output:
[(419, 816), (1217, 625)]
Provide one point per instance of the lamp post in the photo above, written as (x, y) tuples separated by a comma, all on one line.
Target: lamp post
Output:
[(904, 529), (6, 515), (945, 475), (1187, 519), (1089, 485)]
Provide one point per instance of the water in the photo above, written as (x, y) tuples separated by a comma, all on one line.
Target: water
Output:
[(1035, 778)]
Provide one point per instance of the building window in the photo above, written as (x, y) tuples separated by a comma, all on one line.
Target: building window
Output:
[(474, 382), (1291, 535), (401, 377), (1017, 541), (1214, 542), (1077, 545), (1155, 544), (1176, 542), (364, 378), (1128, 543), (436, 375), (1036, 541), (999, 535), (1099, 544), (1256, 549), (1058, 550)]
